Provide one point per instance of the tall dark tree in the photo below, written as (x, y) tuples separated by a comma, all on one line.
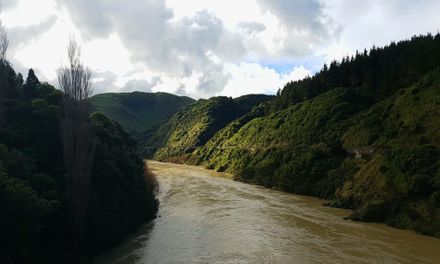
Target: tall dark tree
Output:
[(4, 42), (78, 141), (31, 85)]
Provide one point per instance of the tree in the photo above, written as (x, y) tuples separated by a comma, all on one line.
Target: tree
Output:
[(31, 85), (78, 140), (4, 43)]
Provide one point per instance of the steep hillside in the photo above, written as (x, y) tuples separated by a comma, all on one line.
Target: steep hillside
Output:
[(397, 143), (274, 145), (196, 124), (138, 112), (382, 160)]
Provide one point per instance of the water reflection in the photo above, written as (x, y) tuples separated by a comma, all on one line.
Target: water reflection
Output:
[(130, 251)]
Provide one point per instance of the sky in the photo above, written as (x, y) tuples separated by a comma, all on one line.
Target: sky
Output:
[(204, 48)]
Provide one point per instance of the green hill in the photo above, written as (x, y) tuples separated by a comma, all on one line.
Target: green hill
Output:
[(138, 112), (194, 125)]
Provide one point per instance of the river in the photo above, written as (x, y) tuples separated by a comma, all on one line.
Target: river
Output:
[(205, 217)]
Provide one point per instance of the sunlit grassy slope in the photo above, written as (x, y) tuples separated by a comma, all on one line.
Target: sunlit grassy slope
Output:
[(196, 124)]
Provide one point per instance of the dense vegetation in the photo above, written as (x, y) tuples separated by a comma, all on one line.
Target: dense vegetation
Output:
[(379, 72), (35, 224), (194, 125), (363, 133), (139, 112)]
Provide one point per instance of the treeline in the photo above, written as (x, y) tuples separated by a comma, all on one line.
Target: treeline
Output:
[(44, 201), (378, 72)]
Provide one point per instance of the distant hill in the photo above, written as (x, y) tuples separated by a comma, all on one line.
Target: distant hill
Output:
[(138, 112), (195, 124)]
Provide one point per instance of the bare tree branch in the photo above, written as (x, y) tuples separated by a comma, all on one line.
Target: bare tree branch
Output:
[(78, 139), (4, 42)]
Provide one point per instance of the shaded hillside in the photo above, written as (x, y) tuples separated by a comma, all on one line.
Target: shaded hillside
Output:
[(397, 143), (35, 205), (138, 112), (196, 124)]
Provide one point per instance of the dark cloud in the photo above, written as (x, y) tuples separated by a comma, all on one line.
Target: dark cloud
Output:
[(23, 35), (212, 82), (299, 14), (20, 36), (306, 24), (181, 90)]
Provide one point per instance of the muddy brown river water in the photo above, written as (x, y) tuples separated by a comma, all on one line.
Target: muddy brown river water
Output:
[(206, 219)]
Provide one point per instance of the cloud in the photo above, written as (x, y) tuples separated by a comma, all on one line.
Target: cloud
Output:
[(106, 81), (306, 15), (7, 4), (199, 44), (181, 90), (251, 27), (140, 85), (212, 81), (372, 22), (205, 48), (20, 36), (306, 26), (254, 78), (176, 48), (103, 82)]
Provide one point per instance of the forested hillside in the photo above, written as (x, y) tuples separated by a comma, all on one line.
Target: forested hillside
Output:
[(378, 72), (363, 132), (139, 112), (35, 195)]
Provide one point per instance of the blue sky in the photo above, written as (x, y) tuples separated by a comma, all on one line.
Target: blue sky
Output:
[(205, 48), (312, 63)]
